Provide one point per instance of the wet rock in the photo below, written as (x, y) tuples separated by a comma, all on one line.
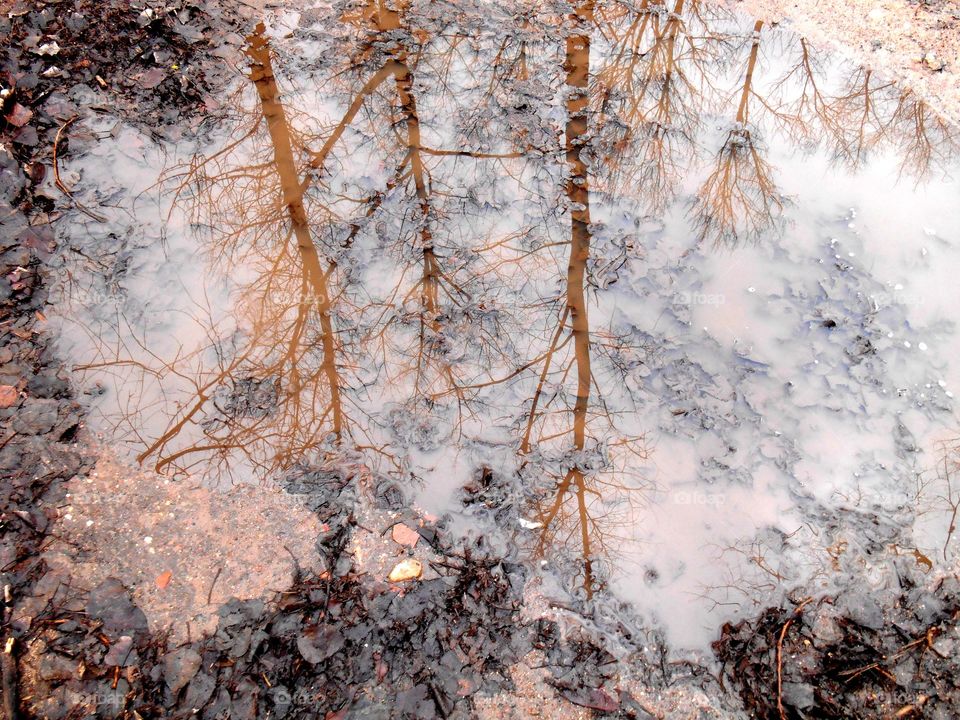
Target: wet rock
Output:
[(64, 702), (12, 179), (244, 701), (110, 603), (403, 535), (36, 417), (179, 668), (800, 695), (200, 690), (824, 627), (122, 653), (863, 609), (8, 396), (56, 667), (416, 702)]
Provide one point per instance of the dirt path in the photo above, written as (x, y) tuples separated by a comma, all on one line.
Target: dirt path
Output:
[(918, 42)]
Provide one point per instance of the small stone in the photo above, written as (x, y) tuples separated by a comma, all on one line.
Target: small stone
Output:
[(403, 535), (163, 579), (8, 395), (409, 569), (933, 62), (121, 653)]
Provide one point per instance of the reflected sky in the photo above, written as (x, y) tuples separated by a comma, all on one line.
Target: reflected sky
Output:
[(586, 250)]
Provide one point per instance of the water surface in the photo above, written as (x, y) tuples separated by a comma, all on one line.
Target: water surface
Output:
[(670, 291)]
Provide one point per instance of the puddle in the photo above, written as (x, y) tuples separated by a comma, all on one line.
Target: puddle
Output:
[(669, 290)]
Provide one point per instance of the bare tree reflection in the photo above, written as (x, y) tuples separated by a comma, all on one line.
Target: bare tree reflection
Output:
[(652, 89), (590, 474), (267, 386), (739, 200)]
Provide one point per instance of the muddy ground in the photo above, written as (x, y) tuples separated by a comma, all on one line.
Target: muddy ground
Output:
[(336, 638)]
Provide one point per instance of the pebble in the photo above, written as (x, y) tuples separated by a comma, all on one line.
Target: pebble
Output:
[(403, 535), (408, 569), (8, 396)]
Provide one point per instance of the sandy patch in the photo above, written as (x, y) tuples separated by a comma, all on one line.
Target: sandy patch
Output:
[(918, 43), (182, 549)]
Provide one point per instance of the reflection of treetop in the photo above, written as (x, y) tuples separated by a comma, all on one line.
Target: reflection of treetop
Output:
[(414, 231)]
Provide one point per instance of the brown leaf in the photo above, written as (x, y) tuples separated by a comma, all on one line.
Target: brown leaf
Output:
[(19, 115), (593, 698), (152, 77), (37, 171), (8, 395), (163, 579), (403, 535), (382, 668)]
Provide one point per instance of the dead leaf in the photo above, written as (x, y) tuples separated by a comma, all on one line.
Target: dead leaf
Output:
[(8, 395), (163, 579), (593, 698), (37, 171), (403, 535), (19, 115), (151, 78), (319, 642), (409, 569), (923, 559)]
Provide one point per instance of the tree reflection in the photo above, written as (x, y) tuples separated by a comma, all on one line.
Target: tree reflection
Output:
[(426, 266), (651, 88), (589, 492), (268, 383), (739, 200)]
